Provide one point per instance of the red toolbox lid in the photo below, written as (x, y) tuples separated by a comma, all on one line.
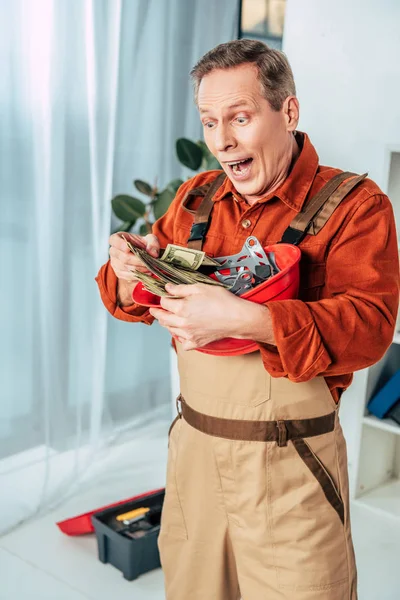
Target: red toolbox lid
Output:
[(82, 524)]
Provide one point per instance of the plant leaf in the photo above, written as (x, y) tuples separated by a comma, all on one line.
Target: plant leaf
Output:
[(163, 201), (212, 163), (143, 187), (144, 230), (128, 208), (154, 201), (189, 153), (209, 162), (205, 151), (174, 185), (127, 226), (201, 144)]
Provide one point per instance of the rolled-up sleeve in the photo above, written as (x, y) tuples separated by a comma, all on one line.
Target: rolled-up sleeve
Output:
[(108, 283), (352, 327)]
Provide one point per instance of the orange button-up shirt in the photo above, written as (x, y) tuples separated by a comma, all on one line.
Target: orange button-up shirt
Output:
[(344, 317)]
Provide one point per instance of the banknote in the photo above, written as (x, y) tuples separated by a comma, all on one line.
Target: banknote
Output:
[(183, 275), (151, 284), (183, 257), (168, 272), (187, 258)]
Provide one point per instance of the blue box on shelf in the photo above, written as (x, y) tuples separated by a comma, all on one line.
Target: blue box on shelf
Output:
[(386, 398)]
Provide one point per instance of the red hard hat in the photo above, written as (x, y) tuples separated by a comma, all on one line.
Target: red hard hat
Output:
[(282, 286)]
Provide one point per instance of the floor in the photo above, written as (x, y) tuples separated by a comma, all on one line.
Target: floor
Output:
[(38, 562)]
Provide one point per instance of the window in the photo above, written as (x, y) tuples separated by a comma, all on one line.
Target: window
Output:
[(263, 20)]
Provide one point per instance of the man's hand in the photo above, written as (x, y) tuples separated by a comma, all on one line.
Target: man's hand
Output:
[(203, 313), (124, 263)]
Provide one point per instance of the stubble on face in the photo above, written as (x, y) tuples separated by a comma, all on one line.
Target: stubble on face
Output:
[(240, 125)]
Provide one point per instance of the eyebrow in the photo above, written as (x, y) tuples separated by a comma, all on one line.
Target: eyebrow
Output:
[(235, 105)]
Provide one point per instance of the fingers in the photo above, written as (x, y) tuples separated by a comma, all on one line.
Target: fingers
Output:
[(167, 319), (188, 345), (126, 275), (123, 262), (127, 259), (182, 291), (127, 267), (152, 244), (179, 334), (173, 305), (122, 271), (116, 241), (148, 242)]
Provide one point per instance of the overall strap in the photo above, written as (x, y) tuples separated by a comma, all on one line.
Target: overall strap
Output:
[(317, 212), (202, 214)]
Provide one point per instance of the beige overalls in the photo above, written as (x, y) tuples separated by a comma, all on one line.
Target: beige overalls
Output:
[(256, 503)]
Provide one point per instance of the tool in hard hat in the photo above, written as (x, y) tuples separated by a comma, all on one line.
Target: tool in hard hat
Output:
[(246, 269), (251, 255), (239, 281)]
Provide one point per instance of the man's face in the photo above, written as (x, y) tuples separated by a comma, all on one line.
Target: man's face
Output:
[(240, 125)]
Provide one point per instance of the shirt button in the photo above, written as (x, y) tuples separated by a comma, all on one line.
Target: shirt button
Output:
[(246, 223)]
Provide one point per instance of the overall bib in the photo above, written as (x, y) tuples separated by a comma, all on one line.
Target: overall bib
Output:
[(257, 499)]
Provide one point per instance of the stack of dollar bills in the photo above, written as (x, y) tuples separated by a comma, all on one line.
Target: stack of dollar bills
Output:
[(177, 265)]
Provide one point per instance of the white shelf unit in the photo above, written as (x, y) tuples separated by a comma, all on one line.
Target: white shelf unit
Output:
[(374, 444), (376, 448), (384, 424), (384, 500)]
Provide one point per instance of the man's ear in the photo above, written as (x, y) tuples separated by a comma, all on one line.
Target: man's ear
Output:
[(291, 111)]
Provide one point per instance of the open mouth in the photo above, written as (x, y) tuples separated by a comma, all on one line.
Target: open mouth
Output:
[(240, 168)]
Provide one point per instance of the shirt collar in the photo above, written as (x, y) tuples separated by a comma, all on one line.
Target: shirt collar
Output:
[(296, 186)]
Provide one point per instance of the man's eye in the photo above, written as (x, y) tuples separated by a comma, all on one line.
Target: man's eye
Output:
[(209, 125), (241, 120)]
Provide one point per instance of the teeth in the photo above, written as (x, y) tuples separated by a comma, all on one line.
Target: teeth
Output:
[(237, 162)]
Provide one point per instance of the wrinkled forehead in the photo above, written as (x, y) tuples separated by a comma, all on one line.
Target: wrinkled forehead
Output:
[(230, 87)]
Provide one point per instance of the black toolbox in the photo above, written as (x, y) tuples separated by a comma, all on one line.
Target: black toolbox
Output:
[(131, 556)]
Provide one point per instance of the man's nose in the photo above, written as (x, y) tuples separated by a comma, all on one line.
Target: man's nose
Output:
[(224, 139)]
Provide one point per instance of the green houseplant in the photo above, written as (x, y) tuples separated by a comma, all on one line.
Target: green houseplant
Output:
[(139, 215)]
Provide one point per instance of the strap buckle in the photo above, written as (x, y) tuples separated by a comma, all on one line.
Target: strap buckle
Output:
[(282, 434), (198, 231), (292, 236)]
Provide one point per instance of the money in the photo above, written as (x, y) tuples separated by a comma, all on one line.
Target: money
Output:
[(131, 248), (174, 270), (183, 257), (170, 273), (188, 258), (151, 284)]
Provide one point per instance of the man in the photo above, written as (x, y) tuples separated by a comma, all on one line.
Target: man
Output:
[(257, 493)]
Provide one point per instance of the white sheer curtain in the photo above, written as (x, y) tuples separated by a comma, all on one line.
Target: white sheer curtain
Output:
[(93, 94)]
